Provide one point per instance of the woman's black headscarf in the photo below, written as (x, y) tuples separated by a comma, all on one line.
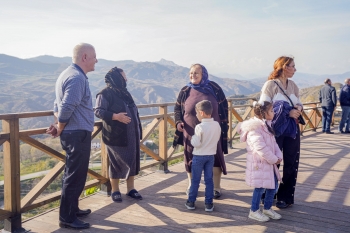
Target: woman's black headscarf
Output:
[(116, 81)]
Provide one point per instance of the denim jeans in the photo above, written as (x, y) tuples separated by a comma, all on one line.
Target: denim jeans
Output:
[(202, 163), (345, 119), (327, 113), (77, 145), (269, 193)]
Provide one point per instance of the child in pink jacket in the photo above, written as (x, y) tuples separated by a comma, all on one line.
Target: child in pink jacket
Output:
[(263, 155)]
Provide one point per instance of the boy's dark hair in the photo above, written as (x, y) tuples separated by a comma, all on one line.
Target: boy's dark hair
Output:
[(205, 106), (260, 110)]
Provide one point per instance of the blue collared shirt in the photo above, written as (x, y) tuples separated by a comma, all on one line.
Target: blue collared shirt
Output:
[(73, 99)]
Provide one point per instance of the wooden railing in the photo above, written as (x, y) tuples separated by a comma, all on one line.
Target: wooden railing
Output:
[(11, 136)]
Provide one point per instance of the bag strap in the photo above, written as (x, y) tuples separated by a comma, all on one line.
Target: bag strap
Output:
[(284, 93)]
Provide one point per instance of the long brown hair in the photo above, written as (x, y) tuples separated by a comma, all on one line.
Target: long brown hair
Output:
[(279, 65), (260, 110)]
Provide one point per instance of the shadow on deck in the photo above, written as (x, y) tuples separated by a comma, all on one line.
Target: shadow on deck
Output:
[(322, 201)]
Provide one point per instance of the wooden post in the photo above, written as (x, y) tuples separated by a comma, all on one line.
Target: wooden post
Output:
[(314, 117), (12, 185), (105, 188), (230, 136), (163, 138)]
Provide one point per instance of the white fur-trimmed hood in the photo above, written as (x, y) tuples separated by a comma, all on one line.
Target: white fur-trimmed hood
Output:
[(249, 125)]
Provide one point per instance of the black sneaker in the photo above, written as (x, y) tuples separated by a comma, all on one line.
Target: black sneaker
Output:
[(209, 207), (217, 194), (282, 205), (190, 205)]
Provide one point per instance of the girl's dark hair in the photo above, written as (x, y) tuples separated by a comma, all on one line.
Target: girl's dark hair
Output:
[(260, 111)]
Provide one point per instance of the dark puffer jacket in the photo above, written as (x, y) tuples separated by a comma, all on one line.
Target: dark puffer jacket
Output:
[(344, 97)]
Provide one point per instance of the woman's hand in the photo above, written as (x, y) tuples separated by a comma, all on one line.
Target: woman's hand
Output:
[(122, 117), (294, 113), (279, 161), (180, 126)]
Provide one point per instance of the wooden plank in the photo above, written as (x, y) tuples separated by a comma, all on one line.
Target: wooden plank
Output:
[(155, 105), (5, 136), (12, 168), (235, 99), (170, 152), (149, 129), (97, 129), (25, 115), (229, 135), (42, 185), (40, 146), (56, 154), (2, 141), (163, 133), (171, 121), (29, 132), (149, 165), (54, 197), (238, 117), (4, 214), (148, 117), (12, 185), (150, 153)]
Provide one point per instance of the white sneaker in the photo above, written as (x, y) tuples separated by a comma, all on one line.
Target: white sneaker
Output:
[(272, 214), (257, 215)]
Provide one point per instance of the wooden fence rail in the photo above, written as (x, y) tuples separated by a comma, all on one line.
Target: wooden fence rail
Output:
[(11, 136)]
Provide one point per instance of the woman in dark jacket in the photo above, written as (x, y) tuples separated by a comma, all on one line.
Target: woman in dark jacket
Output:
[(201, 88), (121, 132)]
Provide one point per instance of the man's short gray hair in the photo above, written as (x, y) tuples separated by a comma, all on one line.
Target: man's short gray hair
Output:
[(347, 80), (79, 50)]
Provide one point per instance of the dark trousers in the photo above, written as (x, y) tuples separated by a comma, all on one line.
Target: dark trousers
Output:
[(291, 153), (77, 145), (327, 114)]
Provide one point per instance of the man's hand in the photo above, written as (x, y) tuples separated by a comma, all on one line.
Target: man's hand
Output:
[(55, 130), (52, 129), (180, 127)]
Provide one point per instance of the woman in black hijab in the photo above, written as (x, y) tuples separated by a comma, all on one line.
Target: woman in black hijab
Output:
[(121, 132)]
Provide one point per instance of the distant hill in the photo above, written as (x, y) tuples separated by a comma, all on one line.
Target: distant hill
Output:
[(28, 84)]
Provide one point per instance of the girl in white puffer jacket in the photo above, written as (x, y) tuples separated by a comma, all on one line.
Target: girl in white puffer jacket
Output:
[(263, 155)]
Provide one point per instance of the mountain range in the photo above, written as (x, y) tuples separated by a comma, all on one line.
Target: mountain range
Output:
[(28, 84)]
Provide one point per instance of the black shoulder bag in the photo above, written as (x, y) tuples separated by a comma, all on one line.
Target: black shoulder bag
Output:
[(300, 118)]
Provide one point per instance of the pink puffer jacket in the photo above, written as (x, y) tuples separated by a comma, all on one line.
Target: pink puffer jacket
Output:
[(262, 154)]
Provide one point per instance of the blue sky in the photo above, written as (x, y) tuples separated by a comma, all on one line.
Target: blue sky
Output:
[(234, 37)]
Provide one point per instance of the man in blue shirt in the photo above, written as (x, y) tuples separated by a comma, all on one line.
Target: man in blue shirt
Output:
[(328, 99), (344, 99), (75, 121)]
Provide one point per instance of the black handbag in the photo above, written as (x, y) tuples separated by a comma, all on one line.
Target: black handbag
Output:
[(300, 118)]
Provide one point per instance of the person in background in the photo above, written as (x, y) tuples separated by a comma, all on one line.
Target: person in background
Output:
[(75, 121), (344, 99), (201, 88), (328, 99)]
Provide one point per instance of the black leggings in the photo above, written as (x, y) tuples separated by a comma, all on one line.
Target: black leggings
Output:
[(291, 154)]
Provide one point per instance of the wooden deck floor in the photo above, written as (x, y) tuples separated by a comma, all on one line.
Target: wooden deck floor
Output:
[(322, 198)]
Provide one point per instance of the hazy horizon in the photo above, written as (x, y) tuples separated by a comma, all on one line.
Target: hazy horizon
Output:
[(233, 37)]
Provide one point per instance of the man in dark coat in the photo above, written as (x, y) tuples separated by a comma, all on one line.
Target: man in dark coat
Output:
[(344, 99), (328, 99)]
